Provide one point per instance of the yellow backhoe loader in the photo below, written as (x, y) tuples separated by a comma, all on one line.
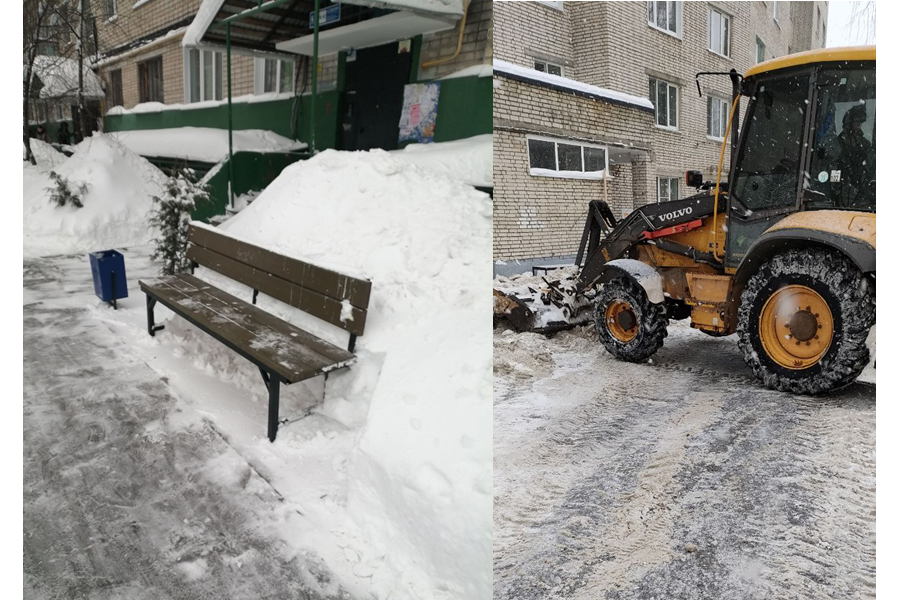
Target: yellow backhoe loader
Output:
[(783, 253)]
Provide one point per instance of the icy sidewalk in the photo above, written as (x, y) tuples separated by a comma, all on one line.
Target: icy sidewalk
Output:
[(129, 491)]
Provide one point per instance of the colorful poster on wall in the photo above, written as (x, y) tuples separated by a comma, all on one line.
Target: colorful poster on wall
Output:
[(419, 114)]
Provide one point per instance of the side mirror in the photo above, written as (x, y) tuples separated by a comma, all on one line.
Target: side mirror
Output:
[(693, 179)]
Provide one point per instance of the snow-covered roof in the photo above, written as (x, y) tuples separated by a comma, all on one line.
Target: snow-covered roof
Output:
[(205, 144), (564, 84), (473, 71), (453, 8), (59, 77)]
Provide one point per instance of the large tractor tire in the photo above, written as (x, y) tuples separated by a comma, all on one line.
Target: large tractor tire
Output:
[(803, 322), (629, 326)]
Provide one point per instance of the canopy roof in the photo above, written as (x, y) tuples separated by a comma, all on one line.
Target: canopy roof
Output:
[(284, 27)]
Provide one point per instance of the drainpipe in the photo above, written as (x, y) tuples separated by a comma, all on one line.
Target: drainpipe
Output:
[(230, 148), (315, 73), (462, 27)]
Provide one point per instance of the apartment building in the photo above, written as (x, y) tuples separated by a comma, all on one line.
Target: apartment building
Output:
[(598, 100), (144, 57)]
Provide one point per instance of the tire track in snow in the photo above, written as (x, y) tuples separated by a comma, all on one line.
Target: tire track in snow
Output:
[(597, 501)]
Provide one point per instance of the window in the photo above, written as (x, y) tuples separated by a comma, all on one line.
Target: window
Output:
[(112, 8), (760, 51), (563, 158), (115, 88), (150, 80), (842, 168), (717, 111), (664, 96), (273, 76), (719, 32), (665, 16), (769, 165), (202, 75), (775, 9), (547, 67), (666, 189), (557, 5)]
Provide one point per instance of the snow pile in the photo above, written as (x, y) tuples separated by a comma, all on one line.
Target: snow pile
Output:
[(550, 296), (418, 400), (564, 83), (470, 160), (206, 144), (45, 155), (116, 206), (155, 107)]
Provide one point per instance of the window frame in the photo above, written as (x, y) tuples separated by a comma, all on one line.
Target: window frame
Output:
[(556, 173), (216, 57), (709, 31), (670, 179), (143, 68), (114, 14), (677, 33), (725, 107), (757, 46), (547, 64), (775, 10), (669, 84), (555, 5), (259, 76), (116, 88)]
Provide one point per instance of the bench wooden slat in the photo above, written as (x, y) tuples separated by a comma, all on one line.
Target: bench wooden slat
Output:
[(318, 279), (323, 307), (281, 347)]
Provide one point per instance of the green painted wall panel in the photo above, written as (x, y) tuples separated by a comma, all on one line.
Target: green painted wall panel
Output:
[(465, 108)]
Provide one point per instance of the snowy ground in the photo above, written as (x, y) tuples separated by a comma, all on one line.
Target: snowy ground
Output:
[(677, 479), (131, 488)]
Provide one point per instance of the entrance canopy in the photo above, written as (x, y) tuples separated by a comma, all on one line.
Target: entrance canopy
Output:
[(284, 28)]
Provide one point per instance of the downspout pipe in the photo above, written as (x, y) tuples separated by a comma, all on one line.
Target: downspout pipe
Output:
[(315, 73), (230, 145), (462, 29)]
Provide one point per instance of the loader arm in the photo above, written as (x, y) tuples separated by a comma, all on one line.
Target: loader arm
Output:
[(639, 227)]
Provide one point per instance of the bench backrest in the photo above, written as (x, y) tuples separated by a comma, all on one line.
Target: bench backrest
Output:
[(312, 289)]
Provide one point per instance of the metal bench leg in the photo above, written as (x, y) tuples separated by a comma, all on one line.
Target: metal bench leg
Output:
[(274, 385), (152, 327)]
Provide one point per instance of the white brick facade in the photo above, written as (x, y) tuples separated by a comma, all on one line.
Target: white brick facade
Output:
[(612, 45)]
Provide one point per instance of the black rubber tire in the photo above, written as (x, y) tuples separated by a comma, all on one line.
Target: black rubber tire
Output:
[(849, 295), (652, 320)]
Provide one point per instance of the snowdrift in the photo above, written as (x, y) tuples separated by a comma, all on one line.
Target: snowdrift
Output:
[(470, 160), (419, 397), (116, 207)]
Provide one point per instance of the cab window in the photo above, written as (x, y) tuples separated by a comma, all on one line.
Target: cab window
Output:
[(768, 171), (842, 167)]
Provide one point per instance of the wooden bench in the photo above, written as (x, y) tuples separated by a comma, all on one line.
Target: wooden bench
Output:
[(284, 353)]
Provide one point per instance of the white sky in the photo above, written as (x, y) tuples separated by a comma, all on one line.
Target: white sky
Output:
[(839, 33)]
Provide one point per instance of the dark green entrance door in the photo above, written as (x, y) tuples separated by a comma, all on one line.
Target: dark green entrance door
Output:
[(373, 97)]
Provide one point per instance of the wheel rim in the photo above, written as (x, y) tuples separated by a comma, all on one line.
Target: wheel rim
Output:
[(621, 321), (796, 327)]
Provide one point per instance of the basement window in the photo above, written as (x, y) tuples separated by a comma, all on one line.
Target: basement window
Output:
[(547, 67), (548, 157)]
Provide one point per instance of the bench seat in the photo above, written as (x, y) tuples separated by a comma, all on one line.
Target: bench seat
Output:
[(272, 344)]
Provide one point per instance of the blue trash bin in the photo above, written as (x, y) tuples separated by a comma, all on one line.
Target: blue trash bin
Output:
[(108, 270)]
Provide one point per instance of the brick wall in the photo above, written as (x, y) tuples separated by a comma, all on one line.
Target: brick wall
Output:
[(542, 216), (611, 45), (132, 22), (476, 44)]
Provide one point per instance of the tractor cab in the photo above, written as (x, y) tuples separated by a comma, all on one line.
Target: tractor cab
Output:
[(807, 143)]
